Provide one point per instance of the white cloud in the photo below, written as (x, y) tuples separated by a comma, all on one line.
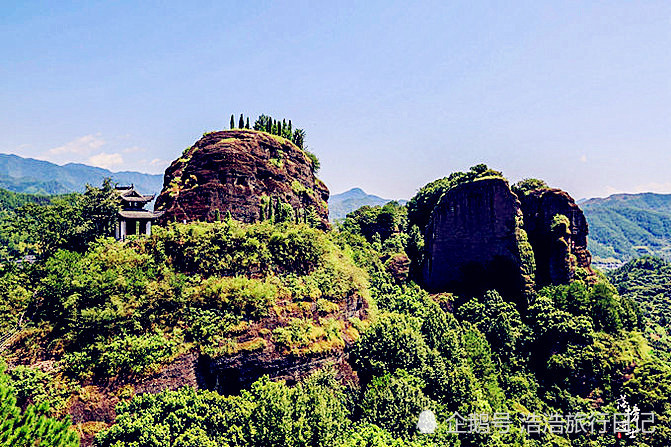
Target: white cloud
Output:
[(133, 150), (105, 160), (158, 162), (81, 146)]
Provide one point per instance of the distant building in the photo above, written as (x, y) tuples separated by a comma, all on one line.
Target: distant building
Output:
[(133, 218)]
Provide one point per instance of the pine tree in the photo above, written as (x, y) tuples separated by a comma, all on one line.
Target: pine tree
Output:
[(241, 122), (232, 122), (279, 128), (299, 138), (290, 132), (269, 125), (32, 427), (247, 124)]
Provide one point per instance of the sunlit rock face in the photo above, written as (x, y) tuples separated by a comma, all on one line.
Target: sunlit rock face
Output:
[(245, 173)]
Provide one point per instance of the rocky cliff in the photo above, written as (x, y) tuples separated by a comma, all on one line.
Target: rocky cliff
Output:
[(481, 236), (560, 245), (473, 241), (251, 175)]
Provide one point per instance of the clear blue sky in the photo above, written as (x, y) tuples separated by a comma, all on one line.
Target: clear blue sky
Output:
[(392, 94)]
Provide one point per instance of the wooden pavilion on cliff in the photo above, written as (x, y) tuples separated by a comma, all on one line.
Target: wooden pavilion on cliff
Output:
[(133, 218)]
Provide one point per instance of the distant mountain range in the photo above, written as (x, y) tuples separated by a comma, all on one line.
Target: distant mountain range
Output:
[(342, 204), (627, 226), (27, 175)]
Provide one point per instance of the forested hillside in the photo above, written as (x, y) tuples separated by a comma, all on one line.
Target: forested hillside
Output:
[(278, 334), (626, 226), (648, 282), (11, 200)]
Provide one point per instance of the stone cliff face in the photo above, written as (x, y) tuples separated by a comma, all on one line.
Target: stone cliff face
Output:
[(481, 236), (252, 175), (472, 241), (558, 248)]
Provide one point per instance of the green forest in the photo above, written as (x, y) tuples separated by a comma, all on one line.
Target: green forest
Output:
[(106, 315), (628, 226)]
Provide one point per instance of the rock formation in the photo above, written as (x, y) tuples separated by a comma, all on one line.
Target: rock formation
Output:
[(473, 241), (481, 236), (558, 247), (251, 175)]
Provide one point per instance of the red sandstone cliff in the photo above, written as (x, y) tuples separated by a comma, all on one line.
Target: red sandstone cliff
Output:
[(474, 240), (560, 250), (243, 172)]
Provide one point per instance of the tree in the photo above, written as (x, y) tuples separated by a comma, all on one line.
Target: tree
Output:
[(299, 138), (232, 122), (394, 401), (393, 342), (241, 122), (30, 428), (100, 207), (247, 124)]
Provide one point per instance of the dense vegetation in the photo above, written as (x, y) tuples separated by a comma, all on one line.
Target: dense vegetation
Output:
[(627, 226), (32, 426), (9, 200), (647, 281), (106, 311)]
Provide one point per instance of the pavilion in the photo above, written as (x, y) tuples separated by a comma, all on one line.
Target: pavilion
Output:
[(133, 218)]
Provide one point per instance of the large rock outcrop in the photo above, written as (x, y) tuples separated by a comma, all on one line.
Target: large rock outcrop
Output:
[(481, 236), (560, 246), (473, 242), (251, 175)]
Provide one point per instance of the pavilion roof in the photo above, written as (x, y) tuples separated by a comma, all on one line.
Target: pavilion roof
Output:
[(140, 214)]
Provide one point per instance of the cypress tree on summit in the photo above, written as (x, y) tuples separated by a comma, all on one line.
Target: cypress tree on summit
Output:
[(232, 122), (241, 122), (247, 124)]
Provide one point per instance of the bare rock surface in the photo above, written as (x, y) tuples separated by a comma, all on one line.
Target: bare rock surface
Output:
[(239, 172)]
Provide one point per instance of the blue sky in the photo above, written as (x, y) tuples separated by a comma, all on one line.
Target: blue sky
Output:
[(392, 94)]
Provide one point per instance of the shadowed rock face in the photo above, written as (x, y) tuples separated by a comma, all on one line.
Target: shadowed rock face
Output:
[(553, 250), (231, 171), (471, 242)]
